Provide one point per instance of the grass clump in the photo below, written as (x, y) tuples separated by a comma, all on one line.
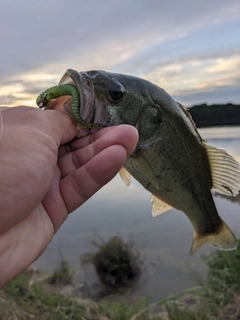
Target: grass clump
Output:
[(124, 311), (63, 274), (29, 299), (176, 312), (34, 300), (217, 298), (116, 264), (224, 275), (222, 286)]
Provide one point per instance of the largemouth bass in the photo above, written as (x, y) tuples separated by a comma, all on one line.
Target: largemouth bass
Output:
[(171, 159)]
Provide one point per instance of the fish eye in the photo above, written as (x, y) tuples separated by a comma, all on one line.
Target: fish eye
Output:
[(115, 93)]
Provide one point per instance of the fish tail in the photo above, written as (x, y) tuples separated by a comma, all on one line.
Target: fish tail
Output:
[(222, 239)]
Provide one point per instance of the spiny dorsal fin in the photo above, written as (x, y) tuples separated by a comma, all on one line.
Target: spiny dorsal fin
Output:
[(225, 171), (223, 239), (159, 206), (187, 113), (126, 176)]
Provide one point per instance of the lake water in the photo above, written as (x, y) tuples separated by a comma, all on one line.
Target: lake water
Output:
[(163, 242)]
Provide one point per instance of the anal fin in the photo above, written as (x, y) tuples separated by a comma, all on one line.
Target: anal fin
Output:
[(159, 206)]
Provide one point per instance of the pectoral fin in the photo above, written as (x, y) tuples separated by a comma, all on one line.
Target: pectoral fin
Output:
[(159, 206), (223, 239), (225, 171), (146, 169), (126, 176), (149, 141)]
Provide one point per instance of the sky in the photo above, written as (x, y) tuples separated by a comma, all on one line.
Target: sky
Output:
[(191, 48)]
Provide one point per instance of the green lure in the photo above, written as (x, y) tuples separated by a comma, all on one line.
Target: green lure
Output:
[(66, 90)]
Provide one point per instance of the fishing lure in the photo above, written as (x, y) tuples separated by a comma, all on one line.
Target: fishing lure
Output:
[(66, 90)]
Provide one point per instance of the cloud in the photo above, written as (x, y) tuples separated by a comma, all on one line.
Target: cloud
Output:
[(194, 79), (225, 65), (218, 94), (43, 39)]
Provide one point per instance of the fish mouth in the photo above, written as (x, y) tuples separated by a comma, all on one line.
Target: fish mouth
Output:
[(91, 108), (86, 93), (87, 108)]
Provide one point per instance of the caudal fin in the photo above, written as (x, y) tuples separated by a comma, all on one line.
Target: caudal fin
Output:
[(222, 239)]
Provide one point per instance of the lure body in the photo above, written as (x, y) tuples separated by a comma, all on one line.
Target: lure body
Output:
[(66, 90)]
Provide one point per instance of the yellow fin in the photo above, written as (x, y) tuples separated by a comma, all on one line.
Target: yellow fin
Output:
[(225, 171), (222, 239), (126, 176), (146, 169), (159, 206)]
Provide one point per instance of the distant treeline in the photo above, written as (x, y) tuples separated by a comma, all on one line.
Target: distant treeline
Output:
[(216, 115)]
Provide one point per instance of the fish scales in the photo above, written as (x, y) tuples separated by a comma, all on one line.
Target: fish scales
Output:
[(177, 177)]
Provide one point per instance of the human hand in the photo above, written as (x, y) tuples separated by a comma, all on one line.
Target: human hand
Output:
[(45, 175)]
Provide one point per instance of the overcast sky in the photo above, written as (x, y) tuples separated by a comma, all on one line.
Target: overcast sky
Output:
[(191, 48)]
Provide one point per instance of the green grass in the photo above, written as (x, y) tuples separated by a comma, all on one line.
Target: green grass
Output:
[(175, 312), (63, 274), (220, 289), (25, 298), (223, 280), (35, 299), (122, 310), (116, 264)]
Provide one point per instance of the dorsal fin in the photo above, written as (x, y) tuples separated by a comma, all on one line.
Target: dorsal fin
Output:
[(189, 116), (126, 176), (225, 171), (159, 206)]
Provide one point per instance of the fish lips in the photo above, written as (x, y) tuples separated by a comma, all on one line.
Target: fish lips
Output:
[(91, 108), (86, 92)]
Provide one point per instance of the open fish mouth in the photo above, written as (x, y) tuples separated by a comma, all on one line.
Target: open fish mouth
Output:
[(86, 93), (87, 98), (91, 109)]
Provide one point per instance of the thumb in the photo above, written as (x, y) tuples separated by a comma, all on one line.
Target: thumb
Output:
[(60, 125)]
